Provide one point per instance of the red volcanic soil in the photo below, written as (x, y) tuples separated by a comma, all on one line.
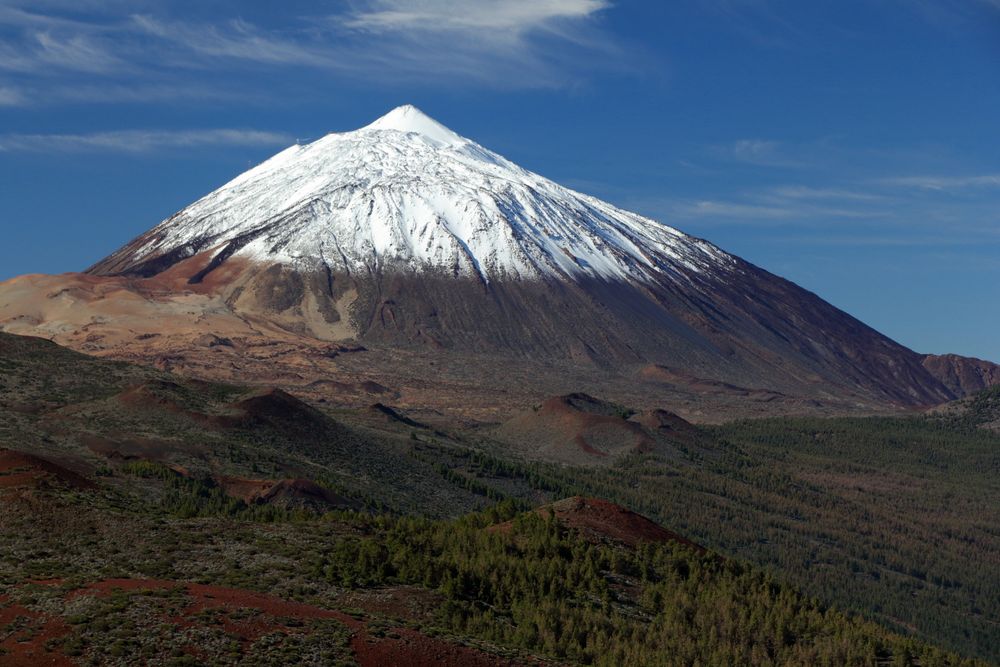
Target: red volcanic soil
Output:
[(26, 647), (272, 610), (411, 603), (599, 520), (210, 597), (18, 469), (401, 646), (412, 649)]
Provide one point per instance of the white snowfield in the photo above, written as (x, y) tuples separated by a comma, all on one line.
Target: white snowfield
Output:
[(407, 192)]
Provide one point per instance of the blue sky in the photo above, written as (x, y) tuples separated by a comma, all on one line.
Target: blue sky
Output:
[(852, 147)]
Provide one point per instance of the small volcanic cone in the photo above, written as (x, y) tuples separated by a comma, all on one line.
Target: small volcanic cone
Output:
[(576, 428), (20, 470), (602, 521)]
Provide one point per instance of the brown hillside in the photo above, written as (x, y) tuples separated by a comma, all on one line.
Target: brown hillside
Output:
[(575, 428)]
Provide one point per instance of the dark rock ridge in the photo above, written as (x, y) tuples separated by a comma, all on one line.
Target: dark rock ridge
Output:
[(962, 375)]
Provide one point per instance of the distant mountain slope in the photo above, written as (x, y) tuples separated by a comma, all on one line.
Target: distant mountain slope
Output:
[(962, 375), (403, 233)]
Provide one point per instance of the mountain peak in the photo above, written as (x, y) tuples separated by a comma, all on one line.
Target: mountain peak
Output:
[(408, 118), (402, 232), (406, 193)]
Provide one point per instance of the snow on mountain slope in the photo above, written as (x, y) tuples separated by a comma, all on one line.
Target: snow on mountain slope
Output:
[(404, 234), (407, 192)]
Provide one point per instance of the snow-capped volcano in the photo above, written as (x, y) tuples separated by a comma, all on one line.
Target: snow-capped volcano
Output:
[(403, 233), (405, 191)]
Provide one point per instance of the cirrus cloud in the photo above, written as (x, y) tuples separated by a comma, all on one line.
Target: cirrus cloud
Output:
[(138, 141), (507, 44)]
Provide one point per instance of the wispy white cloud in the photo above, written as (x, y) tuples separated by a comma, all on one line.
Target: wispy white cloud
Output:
[(803, 192), (144, 52), (876, 240), (951, 14), (757, 21), (140, 93), (506, 16), (41, 44), (11, 97), (105, 93), (499, 43), (771, 24), (945, 183), (760, 152), (16, 59), (507, 43), (789, 204), (237, 40), (729, 209), (764, 210), (75, 52), (751, 211), (138, 141), (14, 14)]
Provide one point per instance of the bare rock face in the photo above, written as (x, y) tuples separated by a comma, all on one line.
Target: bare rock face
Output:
[(962, 375), (405, 235)]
